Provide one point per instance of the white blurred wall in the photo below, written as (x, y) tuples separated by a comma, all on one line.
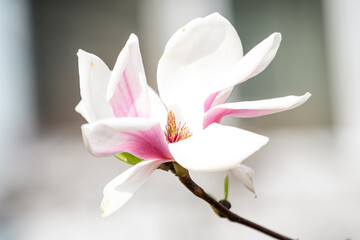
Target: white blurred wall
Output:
[(342, 20)]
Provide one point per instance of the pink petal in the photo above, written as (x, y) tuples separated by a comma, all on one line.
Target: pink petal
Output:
[(253, 108), (216, 148), (127, 91), (118, 191), (217, 98), (210, 100), (141, 137)]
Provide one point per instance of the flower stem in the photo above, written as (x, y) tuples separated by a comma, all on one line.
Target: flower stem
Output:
[(185, 179)]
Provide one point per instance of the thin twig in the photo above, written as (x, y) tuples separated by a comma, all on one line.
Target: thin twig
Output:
[(185, 179)]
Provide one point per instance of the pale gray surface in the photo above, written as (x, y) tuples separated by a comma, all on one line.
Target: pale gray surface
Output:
[(307, 188)]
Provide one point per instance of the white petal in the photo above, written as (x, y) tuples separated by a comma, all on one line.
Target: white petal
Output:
[(196, 56), (158, 109), (142, 137), (245, 175), (253, 108), (253, 63), (94, 79), (118, 191), (216, 148), (80, 108), (127, 91)]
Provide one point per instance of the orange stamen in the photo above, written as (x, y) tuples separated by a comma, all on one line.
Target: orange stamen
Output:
[(175, 132)]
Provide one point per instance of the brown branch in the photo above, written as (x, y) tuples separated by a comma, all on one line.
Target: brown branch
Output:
[(185, 179)]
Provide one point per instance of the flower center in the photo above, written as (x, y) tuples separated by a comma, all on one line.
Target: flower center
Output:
[(175, 132)]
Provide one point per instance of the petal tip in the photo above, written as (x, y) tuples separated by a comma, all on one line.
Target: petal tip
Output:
[(276, 36), (104, 207), (246, 176), (81, 53), (303, 99), (252, 189), (265, 140), (110, 203), (133, 38), (103, 213), (78, 107), (125, 55), (215, 15)]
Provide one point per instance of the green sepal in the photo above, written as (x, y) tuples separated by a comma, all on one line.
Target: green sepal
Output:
[(179, 170), (128, 158), (226, 187)]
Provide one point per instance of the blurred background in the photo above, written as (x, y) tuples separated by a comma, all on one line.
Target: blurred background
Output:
[(307, 177)]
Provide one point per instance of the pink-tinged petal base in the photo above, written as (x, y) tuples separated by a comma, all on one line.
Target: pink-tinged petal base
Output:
[(127, 90), (118, 191), (217, 98), (141, 137), (217, 148), (123, 101), (209, 101), (253, 108)]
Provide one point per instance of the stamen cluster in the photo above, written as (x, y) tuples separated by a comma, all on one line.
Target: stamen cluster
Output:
[(175, 132)]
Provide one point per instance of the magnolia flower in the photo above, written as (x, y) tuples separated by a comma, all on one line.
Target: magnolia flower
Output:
[(201, 64)]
